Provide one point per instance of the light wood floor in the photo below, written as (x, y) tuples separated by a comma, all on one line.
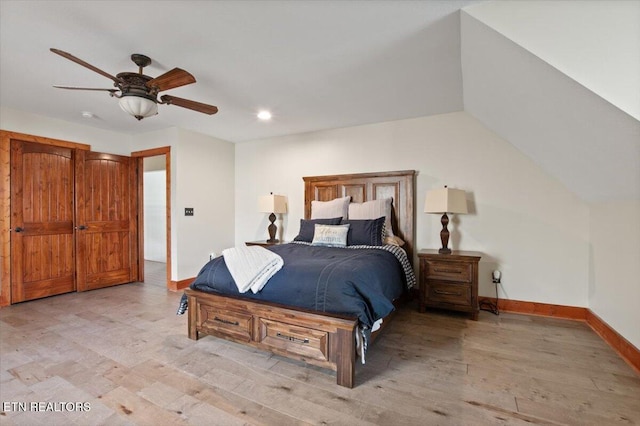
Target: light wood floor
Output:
[(124, 351), (155, 273)]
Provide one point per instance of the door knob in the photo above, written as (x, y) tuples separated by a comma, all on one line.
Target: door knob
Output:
[(18, 229), (81, 227)]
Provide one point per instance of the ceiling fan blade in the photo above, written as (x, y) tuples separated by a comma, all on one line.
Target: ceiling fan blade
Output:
[(79, 61), (171, 79), (186, 103), (86, 88)]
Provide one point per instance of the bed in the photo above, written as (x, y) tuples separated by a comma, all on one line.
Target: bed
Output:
[(305, 331)]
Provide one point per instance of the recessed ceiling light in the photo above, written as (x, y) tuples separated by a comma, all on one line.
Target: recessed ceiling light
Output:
[(87, 114), (264, 115)]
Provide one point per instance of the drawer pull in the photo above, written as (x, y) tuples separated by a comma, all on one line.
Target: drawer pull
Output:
[(448, 271), (292, 338), (448, 293), (224, 321)]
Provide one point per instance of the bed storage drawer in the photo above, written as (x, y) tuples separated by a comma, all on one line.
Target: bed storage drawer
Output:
[(218, 320), (305, 342)]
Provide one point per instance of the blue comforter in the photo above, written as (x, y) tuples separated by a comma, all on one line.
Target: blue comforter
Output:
[(360, 282)]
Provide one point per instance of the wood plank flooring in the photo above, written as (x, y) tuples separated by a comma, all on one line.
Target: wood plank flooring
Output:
[(155, 273), (125, 352)]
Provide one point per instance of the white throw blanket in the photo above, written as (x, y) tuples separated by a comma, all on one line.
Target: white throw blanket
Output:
[(251, 266)]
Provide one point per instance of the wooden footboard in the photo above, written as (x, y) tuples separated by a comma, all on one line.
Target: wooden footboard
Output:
[(325, 340)]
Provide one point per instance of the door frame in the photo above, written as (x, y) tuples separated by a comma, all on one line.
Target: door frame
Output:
[(140, 155), (5, 200)]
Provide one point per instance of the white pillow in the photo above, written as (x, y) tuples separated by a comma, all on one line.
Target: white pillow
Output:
[(372, 210), (330, 235), (338, 207)]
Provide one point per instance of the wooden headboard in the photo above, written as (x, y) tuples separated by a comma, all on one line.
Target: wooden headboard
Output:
[(363, 187)]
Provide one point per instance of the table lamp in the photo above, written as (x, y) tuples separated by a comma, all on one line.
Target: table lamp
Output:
[(443, 201), (272, 204)]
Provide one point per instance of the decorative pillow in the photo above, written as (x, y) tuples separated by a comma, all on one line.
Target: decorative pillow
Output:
[(307, 227), (338, 207), (367, 232), (330, 235), (373, 209)]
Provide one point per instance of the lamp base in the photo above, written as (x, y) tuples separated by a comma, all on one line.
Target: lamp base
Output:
[(444, 235), (272, 228)]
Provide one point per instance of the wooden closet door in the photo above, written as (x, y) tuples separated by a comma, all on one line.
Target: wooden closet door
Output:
[(106, 211), (42, 261)]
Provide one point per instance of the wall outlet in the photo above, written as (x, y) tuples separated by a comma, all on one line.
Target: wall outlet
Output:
[(212, 255), (188, 211)]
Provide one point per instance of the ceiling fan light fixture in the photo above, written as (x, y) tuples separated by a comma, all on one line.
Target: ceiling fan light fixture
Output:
[(138, 106), (138, 93)]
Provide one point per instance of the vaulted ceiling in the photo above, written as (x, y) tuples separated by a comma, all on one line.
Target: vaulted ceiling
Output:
[(550, 95), (329, 64)]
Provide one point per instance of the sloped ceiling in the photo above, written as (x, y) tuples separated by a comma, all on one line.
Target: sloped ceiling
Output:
[(591, 145), (596, 43)]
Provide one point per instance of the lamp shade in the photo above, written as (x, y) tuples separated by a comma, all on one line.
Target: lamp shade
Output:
[(272, 204), (138, 106), (445, 200)]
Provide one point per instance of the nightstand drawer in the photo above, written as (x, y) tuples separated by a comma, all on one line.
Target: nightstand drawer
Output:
[(455, 294), (450, 271)]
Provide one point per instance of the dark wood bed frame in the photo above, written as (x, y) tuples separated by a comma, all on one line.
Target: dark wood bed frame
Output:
[(318, 338)]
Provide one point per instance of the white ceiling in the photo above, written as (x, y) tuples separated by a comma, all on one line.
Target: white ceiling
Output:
[(314, 64)]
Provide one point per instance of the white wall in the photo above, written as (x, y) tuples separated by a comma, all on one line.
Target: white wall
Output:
[(204, 180), (527, 223), (155, 215), (614, 287), (38, 125)]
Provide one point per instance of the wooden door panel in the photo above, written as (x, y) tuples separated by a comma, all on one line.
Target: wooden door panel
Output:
[(108, 255), (47, 256), (106, 208), (41, 220)]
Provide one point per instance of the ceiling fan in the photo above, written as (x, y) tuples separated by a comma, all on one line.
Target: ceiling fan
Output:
[(138, 93)]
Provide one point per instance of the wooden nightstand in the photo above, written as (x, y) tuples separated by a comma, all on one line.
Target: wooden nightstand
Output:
[(264, 243), (449, 281)]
